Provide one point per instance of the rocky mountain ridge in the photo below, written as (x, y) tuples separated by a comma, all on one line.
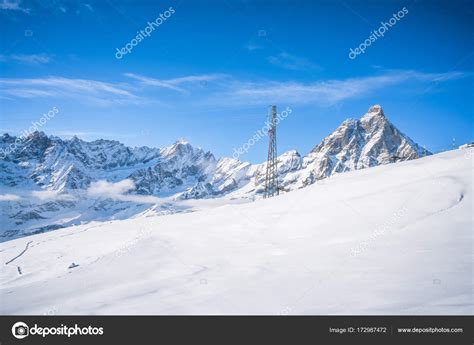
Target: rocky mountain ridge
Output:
[(61, 172)]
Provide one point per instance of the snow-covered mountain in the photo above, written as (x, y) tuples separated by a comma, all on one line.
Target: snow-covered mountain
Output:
[(358, 144), (391, 239), (61, 173), (355, 144), (65, 165), (45, 181)]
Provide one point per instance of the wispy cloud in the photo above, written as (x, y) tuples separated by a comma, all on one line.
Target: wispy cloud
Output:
[(174, 84), (45, 195), (30, 59), (89, 7), (13, 5), (54, 7), (98, 92), (323, 92), (27, 92), (291, 62), (252, 46), (117, 191), (225, 90)]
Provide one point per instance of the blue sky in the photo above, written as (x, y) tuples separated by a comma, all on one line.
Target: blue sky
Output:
[(210, 70)]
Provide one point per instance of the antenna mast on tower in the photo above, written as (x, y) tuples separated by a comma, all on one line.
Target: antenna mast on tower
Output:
[(271, 177)]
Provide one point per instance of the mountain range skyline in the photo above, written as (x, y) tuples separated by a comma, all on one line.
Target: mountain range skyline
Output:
[(213, 87), (49, 183), (35, 131), (180, 139)]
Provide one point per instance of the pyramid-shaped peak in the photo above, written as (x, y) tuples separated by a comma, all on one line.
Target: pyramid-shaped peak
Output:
[(375, 109), (373, 116)]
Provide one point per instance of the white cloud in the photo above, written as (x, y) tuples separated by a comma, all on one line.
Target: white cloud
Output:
[(225, 91), (28, 93), (108, 189), (30, 59), (291, 62), (45, 195), (13, 5), (9, 197), (251, 47), (116, 191), (172, 84), (99, 92), (323, 92), (89, 7)]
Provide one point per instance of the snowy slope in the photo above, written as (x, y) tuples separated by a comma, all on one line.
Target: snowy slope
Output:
[(61, 171), (392, 239)]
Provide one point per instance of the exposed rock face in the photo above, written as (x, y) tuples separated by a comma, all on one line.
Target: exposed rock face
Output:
[(358, 144), (355, 144), (58, 166)]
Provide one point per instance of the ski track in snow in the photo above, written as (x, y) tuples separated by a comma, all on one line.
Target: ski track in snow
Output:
[(20, 272), (23, 252)]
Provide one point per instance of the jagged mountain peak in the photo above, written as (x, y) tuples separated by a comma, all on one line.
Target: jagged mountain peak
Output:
[(184, 171), (289, 153), (350, 122), (180, 147), (228, 163), (6, 136), (358, 144), (289, 161), (36, 134), (376, 109), (374, 118)]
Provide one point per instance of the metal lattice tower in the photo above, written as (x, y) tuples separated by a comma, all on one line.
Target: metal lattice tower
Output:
[(271, 178)]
